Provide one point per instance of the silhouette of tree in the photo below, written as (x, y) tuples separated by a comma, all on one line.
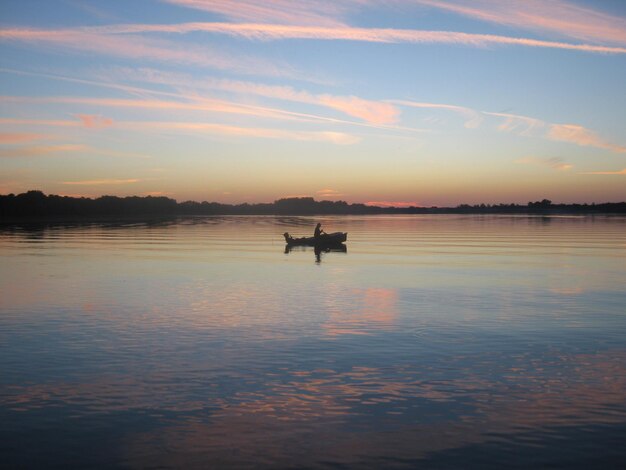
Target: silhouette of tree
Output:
[(35, 204)]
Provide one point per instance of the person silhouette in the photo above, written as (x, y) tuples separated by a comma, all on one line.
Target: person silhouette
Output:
[(318, 231)]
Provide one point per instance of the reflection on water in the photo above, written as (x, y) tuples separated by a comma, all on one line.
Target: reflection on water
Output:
[(434, 341), (318, 251)]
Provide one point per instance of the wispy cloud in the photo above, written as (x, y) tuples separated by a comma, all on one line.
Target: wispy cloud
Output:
[(311, 12), (40, 122), (339, 138), (134, 46), (125, 41), (555, 16), (328, 193), (522, 125), (19, 137), (200, 104), (619, 172), (41, 150), (102, 182), (571, 133), (92, 121), (554, 162), (92, 10), (367, 109), (269, 32), (156, 193), (472, 117), (526, 126), (371, 111), (581, 136), (392, 204)]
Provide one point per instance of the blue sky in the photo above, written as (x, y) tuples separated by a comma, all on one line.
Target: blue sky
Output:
[(411, 102)]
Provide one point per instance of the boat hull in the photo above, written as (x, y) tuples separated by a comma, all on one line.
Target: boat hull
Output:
[(327, 239)]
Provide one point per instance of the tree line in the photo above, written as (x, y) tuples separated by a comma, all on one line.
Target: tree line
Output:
[(36, 204)]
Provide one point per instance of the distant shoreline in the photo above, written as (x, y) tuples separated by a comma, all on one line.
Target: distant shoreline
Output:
[(35, 206)]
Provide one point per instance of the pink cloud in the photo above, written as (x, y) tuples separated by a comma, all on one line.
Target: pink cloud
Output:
[(123, 41), (338, 138), (371, 111), (572, 133), (367, 109), (101, 40), (269, 32), (619, 172), (581, 136), (19, 137), (317, 12), (472, 117), (328, 193), (554, 162), (39, 122), (218, 106), (554, 16), (522, 125), (41, 150), (93, 121), (156, 193), (102, 182), (392, 204)]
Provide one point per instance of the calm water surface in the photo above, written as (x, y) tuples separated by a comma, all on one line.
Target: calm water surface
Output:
[(433, 342)]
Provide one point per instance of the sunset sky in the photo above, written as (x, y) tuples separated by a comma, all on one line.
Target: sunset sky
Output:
[(422, 102)]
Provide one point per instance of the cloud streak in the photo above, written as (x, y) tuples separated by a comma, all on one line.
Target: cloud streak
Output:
[(133, 46), (102, 182), (338, 138), (371, 111), (521, 125), (472, 117), (125, 41), (19, 137), (526, 126), (92, 121), (619, 172), (554, 162), (40, 122), (41, 150), (305, 12), (328, 193), (273, 32), (391, 204), (581, 136), (201, 104), (364, 108), (554, 16), (571, 133)]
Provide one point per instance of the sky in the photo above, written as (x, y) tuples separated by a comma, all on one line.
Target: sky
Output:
[(402, 102)]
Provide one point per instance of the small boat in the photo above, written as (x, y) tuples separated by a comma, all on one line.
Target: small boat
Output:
[(326, 239)]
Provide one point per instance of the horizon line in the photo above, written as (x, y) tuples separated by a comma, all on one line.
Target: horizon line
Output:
[(401, 205)]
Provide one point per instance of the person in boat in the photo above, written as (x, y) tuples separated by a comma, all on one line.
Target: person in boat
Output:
[(318, 231)]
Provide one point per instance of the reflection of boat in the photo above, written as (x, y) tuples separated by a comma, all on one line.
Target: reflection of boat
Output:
[(324, 240), (337, 248)]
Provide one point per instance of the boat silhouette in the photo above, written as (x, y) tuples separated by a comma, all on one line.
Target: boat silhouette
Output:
[(326, 239)]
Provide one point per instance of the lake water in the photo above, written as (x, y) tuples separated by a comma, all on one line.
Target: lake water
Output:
[(432, 342)]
